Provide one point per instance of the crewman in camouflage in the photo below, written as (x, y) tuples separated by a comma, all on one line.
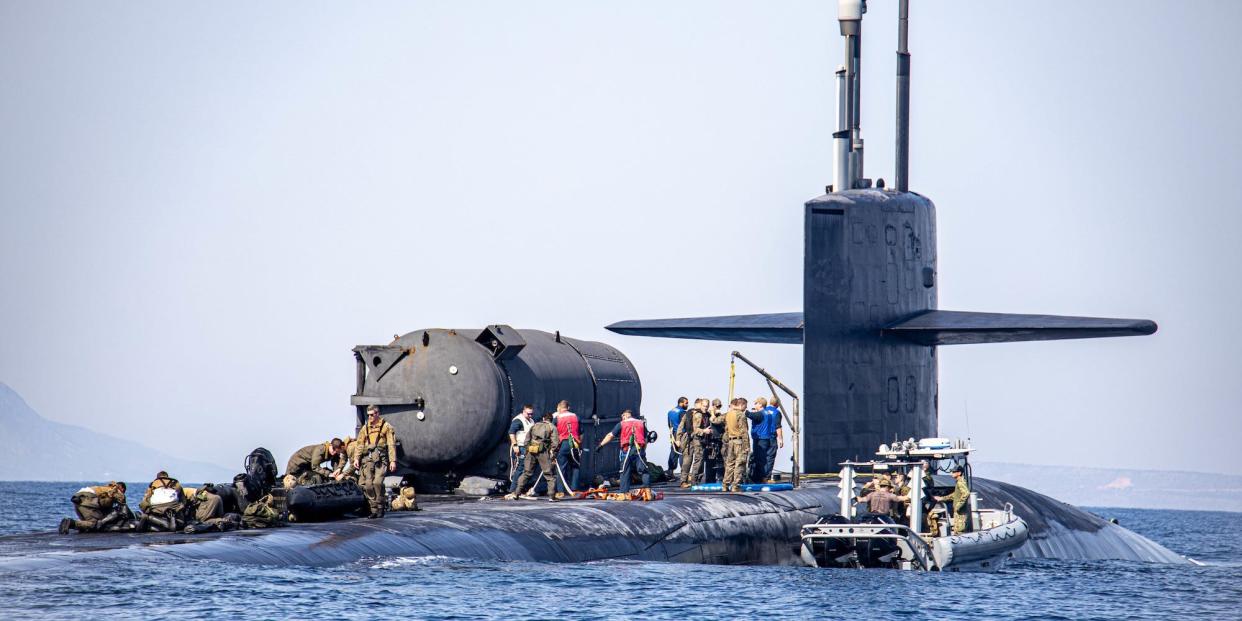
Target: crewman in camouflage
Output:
[(376, 457), (713, 451), (161, 480), (736, 445), (539, 442), (961, 499), (901, 488), (305, 466), (696, 430), (165, 514), (99, 508), (345, 469)]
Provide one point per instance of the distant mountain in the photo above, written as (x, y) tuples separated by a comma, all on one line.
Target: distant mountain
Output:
[(1120, 487), (41, 450)]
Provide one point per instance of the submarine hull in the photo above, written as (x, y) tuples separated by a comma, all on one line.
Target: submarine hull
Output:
[(717, 528)]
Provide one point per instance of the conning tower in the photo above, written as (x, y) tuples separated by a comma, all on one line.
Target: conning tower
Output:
[(870, 321)]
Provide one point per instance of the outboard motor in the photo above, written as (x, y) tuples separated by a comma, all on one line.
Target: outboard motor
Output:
[(832, 552), (875, 552)]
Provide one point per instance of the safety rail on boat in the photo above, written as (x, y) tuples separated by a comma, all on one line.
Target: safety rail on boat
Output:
[(910, 543)]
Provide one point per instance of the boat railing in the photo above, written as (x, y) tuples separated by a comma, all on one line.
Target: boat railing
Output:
[(912, 545)]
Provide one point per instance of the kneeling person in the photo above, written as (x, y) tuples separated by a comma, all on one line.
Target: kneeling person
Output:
[(304, 467), (99, 508), (163, 504), (207, 511)]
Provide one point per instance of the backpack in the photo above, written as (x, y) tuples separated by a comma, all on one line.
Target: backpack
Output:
[(261, 468), (261, 514), (164, 495)]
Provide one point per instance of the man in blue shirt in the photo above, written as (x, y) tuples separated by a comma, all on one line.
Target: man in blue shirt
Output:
[(675, 442), (766, 437)]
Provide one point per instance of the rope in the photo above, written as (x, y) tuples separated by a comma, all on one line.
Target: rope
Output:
[(732, 376)]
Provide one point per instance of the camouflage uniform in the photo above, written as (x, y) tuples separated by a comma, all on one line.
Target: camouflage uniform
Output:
[(736, 449), (377, 447), (713, 449), (539, 442), (158, 483), (98, 508), (304, 468), (961, 504), (163, 516), (899, 508), (349, 450), (698, 428)]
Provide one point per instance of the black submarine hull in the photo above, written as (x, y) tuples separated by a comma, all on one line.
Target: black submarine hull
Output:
[(714, 528)]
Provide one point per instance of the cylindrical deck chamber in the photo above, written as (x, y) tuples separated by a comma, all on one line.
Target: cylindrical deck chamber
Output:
[(451, 394)]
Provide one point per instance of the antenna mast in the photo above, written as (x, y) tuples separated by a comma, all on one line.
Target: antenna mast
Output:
[(903, 98), (848, 143)]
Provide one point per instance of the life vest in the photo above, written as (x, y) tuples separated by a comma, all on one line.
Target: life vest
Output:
[(526, 425), (567, 427), (633, 428)]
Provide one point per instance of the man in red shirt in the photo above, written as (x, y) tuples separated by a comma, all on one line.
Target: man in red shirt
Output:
[(570, 449), (633, 440)]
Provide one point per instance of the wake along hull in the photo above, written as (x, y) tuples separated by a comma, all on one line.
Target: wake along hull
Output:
[(716, 528)]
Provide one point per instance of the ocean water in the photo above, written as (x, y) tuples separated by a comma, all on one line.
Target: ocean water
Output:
[(447, 588)]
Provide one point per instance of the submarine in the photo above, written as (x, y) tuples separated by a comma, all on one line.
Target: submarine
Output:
[(869, 330)]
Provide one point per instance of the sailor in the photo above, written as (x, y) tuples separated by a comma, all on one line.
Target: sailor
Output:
[(376, 457), (99, 508), (766, 438), (676, 440), (881, 500), (162, 504), (736, 445), (633, 434), (305, 466), (518, 431), (960, 496), (568, 451), (207, 512), (713, 453), (539, 443), (162, 480), (900, 488), (696, 429), (345, 468)]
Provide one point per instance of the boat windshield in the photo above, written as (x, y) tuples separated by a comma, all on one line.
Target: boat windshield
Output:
[(948, 464)]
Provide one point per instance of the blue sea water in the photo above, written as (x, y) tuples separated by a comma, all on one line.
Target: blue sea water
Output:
[(446, 588)]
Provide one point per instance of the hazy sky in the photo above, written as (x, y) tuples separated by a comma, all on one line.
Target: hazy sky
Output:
[(203, 208)]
